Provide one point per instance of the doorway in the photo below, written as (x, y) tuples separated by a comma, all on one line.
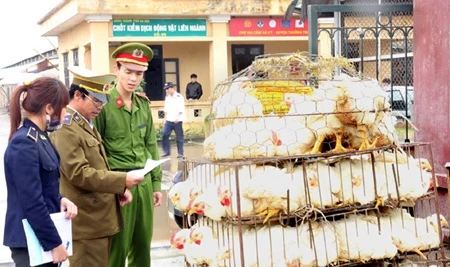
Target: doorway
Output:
[(171, 72), (243, 55), (154, 75)]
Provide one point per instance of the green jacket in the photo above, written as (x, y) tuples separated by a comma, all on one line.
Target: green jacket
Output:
[(86, 179), (129, 137)]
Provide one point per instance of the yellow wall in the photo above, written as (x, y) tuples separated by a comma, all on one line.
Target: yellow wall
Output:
[(209, 57), (193, 57), (74, 38)]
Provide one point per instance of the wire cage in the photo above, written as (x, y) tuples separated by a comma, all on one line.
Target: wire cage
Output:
[(294, 104), (313, 211), (303, 168)]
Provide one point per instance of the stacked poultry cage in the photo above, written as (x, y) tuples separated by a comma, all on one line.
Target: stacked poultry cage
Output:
[(303, 168)]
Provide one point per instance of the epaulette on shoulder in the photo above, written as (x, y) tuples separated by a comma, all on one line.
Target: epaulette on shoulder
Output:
[(67, 119), (76, 117), (143, 96), (32, 134)]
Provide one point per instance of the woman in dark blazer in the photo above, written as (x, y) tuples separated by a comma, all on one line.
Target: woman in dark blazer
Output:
[(32, 170)]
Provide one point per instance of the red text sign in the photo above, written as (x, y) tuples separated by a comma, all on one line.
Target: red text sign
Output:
[(267, 27)]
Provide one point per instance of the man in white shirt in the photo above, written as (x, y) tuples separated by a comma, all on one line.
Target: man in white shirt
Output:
[(174, 115)]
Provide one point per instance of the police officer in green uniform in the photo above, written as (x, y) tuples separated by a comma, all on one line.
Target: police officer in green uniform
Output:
[(127, 129), (85, 174)]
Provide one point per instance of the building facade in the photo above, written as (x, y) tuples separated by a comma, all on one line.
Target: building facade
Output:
[(211, 38)]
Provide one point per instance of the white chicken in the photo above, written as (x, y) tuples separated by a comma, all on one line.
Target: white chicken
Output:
[(247, 206), (363, 105), (323, 241), (274, 191), (204, 248), (357, 181), (361, 240), (212, 203), (183, 193), (398, 224), (180, 239), (235, 103), (383, 132), (267, 246), (318, 113), (403, 181), (291, 137), (323, 184), (243, 139), (220, 198), (427, 230)]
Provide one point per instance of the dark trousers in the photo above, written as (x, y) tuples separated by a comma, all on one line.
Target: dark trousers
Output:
[(21, 258), (91, 252), (168, 128)]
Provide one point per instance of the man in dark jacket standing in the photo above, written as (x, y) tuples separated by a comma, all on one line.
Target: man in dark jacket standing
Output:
[(194, 88)]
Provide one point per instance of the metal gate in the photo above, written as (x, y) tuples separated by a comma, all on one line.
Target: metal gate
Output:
[(377, 38)]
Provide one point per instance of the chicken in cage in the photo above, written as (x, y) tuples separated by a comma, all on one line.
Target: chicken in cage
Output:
[(218, 244), (307, 174), (275, 114), (265, 189), (343, 239)]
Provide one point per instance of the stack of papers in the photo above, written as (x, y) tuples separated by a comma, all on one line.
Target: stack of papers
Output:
[(37, 254)]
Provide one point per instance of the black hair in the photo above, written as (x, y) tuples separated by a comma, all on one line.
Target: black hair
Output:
[(387, 80), (74, 88), (193, 75)]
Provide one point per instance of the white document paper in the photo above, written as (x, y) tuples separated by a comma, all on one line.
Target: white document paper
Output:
[(149, 165), (37, 254)]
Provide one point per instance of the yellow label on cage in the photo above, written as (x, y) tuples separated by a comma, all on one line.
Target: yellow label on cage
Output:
[(271, 94)]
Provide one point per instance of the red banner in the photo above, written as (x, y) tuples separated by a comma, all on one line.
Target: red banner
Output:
[(267, 27)]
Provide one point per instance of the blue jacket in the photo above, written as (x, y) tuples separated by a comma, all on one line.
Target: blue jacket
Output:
[(32, 181)]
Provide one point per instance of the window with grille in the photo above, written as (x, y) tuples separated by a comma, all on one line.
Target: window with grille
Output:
[(75, 57), (66, 70)]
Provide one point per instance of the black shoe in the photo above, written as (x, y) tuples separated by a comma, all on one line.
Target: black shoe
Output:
[(165, 155), (180, 156)]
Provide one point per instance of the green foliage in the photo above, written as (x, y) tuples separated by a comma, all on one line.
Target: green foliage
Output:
[(209, 117), (159, 132)]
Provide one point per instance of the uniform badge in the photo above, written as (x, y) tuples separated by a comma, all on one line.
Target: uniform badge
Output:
[(32, 134), (67, 119), (138, 53), (43, 137), (119, 102), (76, 117)]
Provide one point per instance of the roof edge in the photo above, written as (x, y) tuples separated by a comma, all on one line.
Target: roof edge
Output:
[(53, 11)]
